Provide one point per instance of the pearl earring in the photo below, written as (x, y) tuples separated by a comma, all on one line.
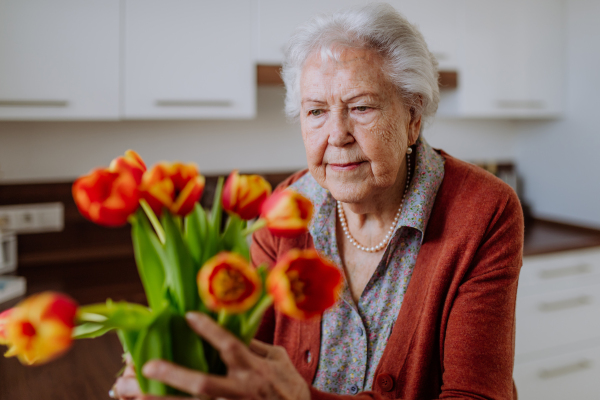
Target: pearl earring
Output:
[(409, 150)]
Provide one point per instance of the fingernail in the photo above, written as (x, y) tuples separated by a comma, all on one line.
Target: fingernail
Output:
[(150, 368), (193, 316)]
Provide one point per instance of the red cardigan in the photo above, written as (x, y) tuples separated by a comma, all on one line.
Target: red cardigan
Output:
[(454, 337)]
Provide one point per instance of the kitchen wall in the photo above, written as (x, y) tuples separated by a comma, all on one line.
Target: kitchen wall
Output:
[(559, 160), (60, 151)]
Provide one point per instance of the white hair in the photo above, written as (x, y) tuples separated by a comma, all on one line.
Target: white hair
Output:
[(408, 64)]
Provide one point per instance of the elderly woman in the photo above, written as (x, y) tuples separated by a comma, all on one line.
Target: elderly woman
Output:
[(430, 246)]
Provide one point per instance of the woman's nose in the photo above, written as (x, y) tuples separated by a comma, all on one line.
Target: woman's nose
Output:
[(339, 129)]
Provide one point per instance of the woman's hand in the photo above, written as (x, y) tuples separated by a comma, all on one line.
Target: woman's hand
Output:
[(126, 387), (261, 371)]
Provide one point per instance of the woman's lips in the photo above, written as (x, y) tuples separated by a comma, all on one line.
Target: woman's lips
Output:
[(345, 167)]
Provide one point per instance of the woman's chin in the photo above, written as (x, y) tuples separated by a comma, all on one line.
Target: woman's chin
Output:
[(349, 192)]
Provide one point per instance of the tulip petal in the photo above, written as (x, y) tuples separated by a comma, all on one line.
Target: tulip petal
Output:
[(39, 328), (303, 284), (228, 283)]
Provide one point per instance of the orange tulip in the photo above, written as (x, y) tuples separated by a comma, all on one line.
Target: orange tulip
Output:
[(228, 282), (244, 195), (303, 285), (3, 320), (174, 186), (287, 213), (39, 328), (107, 197), (131, 162)]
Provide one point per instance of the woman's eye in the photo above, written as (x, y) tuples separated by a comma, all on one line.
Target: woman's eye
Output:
[(361, 108), (315, 113)]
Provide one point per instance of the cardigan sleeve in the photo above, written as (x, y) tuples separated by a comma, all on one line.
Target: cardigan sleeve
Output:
[(478, 354)]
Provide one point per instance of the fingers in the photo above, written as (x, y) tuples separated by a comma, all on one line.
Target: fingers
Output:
[(189, 381), (232, 351), (150, 397), (126, 387), (129, 371), (260, 348), (267, 351)]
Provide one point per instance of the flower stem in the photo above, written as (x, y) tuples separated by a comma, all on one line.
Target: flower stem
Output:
[(251, 324), (223, 318), (160, 232), (260, 223)]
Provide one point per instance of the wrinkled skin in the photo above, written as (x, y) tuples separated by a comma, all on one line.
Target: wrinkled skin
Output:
[(356, 131), (260, 371)]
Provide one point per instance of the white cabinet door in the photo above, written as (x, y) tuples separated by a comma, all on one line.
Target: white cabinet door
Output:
[(59, 59), (567, 376), (512, 56), (189, 59), (277, 20), (436, 19)]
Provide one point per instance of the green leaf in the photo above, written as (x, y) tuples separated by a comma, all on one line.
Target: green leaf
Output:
[(180, 270), (90, 330), (128, 339), (153, 343), (97, 319), (150, 259), (251, 319), (217, 208), (188, 349), (196, 231)]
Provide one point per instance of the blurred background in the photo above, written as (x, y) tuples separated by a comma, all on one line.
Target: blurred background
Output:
[(195, 80)]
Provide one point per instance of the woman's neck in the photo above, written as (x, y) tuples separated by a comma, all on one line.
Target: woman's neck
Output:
[(368, 218)]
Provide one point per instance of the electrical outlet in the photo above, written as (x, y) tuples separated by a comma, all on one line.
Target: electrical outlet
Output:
[(33, 218)]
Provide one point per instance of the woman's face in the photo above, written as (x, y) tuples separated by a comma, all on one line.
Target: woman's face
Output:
[(355, 127)]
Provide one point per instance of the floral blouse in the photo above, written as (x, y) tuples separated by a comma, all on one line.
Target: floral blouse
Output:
[(354, 336)]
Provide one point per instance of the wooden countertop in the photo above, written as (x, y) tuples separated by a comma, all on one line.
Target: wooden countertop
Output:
[(542, 237), (89, 369)]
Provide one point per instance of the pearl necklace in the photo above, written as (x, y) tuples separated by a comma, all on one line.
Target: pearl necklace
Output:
[(388, 236)]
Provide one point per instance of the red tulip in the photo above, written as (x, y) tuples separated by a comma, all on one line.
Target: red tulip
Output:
[(244, 195), (174, 186), (303, 285), (287, 213), (228, 282), (131, 162), (107, 197), (39, 328)]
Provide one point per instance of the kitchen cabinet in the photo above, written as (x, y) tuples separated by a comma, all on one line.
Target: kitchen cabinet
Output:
[(187, 59), (277, 20), (557, 326), (59, 60), (511, 60)]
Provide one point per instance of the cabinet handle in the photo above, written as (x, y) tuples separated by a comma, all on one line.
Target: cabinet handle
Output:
[(194, 103), (527, 104), (566, 303), (565, 369), (33, 103), (566, 271)]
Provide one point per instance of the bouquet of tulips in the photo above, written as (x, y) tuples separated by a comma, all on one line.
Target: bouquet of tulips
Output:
[(188, 259)]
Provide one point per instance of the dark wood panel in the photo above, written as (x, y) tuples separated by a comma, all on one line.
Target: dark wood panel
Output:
[(270, 75), (87, 371)]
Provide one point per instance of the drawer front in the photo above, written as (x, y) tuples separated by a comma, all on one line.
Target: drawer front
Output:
[(569, 376), (560, 271), (556, 318)]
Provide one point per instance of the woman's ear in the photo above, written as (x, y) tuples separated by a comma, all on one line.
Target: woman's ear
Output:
[(414, 126)]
